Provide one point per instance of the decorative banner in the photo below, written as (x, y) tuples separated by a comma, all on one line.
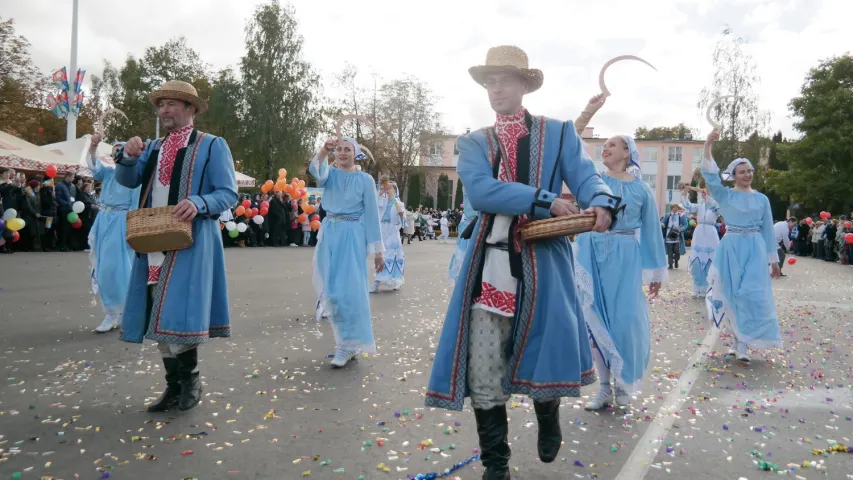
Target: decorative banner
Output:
[(77, 104), (713, 104), (101, 126), (53, 104), (60, 79), (601, 84), (78, 80)]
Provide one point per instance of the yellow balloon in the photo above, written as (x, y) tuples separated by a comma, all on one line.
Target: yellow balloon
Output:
[(15, 224)]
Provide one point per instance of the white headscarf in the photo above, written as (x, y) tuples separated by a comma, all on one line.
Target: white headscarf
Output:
[(730, 170), (634, 158), (358, 155)]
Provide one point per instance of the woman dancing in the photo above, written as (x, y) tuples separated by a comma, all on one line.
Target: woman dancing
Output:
[(350, 232), (611, 268), (740, 296), (705, 237), (393, 217)]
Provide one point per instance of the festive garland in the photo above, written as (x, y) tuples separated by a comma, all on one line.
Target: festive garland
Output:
[(434, 475)]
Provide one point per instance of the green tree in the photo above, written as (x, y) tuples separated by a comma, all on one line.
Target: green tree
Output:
[(820, 164), (282, 112), (443, 193), (735, 73), (459, 194), (678, 132), (429, 202), (413, 192)]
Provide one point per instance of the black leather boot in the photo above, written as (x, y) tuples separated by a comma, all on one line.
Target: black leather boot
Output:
[(550, 435), (170, 396), (190, 379), (493, 431)]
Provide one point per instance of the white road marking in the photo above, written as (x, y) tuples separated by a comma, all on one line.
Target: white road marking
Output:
[(647, 447)]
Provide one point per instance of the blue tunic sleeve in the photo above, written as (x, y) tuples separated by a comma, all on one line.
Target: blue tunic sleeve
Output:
[(688, 205), (767, 232), (223, 181), (711, 174), (652, 249), (579, 173), (99, 172), (320, 171), (129, 169), (370, 219)]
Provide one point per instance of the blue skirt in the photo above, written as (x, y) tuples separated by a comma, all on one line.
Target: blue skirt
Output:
[(392, 273), (111, 259), (609, 274), (741, 295), (340, 280)]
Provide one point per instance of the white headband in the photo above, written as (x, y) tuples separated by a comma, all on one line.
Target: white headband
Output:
[(730, 170)]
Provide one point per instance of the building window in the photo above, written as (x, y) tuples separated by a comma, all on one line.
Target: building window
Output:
[(599, 149), (697, 156), (650, 154), (435, 149), (674, 154), (651, 180), (672, 181)]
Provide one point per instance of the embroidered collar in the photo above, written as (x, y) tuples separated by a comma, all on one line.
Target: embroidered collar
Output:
[(180, 132), (503, 120), (509, 129)]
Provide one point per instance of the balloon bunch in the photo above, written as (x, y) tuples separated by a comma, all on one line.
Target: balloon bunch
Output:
[(825, 215), (809, 221), (73, 216), (296, 188), (10, 225)]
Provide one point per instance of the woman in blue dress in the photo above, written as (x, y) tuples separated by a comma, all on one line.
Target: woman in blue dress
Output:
[(611, 269), (110, 257), (468, 215), (705, 237), (393, 216), (741, 297), (349, 233)]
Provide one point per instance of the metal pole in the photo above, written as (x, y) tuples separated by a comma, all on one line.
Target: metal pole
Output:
[(71, 126)]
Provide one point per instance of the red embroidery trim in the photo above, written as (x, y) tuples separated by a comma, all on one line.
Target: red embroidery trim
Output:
[(175, 141), (153, 274), (509, 130), (491, 297)]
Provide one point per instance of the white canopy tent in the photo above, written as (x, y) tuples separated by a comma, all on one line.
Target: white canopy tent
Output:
[(75, 151), (22, 155)]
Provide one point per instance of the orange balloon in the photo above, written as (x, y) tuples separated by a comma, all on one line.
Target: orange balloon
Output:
[(302, 184), (315, 225), (302, 218), (279, 185), (265, 188), (249, 213), (309, 209), (288, 189), (269, 182), (282, 173), (240, 211)]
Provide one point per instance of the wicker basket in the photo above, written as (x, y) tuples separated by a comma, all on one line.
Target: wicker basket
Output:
[(558, 227), (151, 230)]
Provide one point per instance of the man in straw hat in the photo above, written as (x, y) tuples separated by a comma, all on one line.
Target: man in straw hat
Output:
[(179, 299), (514, 321)]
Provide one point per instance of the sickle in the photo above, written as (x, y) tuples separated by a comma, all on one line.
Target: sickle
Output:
[(347, 117), (713, 104), (101, 127), (601, 84), (365, 150)]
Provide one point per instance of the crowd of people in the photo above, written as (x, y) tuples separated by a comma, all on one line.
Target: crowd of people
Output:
[(824, 239), (44, 206)]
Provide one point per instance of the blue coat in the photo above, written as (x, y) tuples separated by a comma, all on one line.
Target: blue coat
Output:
[(63, 196), (549, 349), (684, 223), (190, 302)]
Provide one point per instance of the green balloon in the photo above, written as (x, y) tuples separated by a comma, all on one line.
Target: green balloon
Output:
[(233, 233), (72, 217)]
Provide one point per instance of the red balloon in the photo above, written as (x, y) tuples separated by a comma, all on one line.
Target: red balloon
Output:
[(265, 204), (77, 225), (50, 171), (809, 220), (15, 237), (848, 225), (254, 211), (792, 261), (264, 212), (848, 238), (315, 217), (246, 204)]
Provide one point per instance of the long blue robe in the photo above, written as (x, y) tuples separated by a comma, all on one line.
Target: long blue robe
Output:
[(550, 355), (468, 216), (349, 233), (741, 294), (190, 302), (111, 258), (611, 269)]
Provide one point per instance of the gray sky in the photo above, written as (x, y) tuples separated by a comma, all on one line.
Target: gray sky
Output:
[(437, 41)]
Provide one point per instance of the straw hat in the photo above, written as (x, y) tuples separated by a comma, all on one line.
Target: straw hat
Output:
[(178, 90), (508, 59)]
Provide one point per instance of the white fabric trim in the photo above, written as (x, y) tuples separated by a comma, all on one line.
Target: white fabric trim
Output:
[(376, 247), (655, 275), (726, 314), (773, 257), (710, 166)]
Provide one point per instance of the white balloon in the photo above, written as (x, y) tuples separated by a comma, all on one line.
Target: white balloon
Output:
[(78, 207), (258, 219), (10, 214), (241, 227), (230, 226)]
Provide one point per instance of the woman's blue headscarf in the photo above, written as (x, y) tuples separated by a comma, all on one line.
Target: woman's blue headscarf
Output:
[(633, 158), (356, 147)]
